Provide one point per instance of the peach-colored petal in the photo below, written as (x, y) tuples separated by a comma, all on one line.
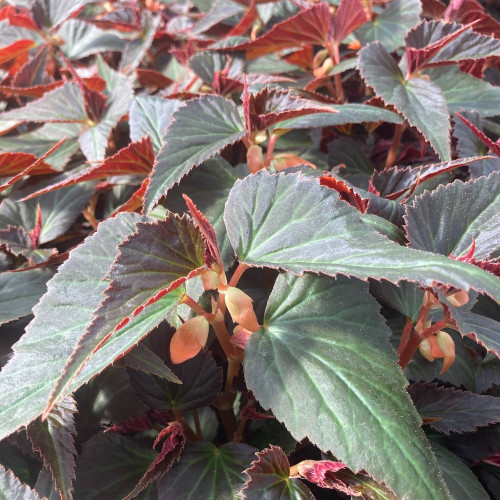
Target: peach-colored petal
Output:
[(458, 299), (425, 349), (447, 346), (240, 337), (239, 305), (254, 158), (210, 280), (189, 339)]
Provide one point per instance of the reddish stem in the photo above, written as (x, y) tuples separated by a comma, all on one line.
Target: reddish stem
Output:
[(396, 141), (237, 274), (406, 334), (186, 299), (270, 148)]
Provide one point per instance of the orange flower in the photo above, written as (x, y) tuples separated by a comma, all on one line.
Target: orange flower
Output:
[(189, 339)]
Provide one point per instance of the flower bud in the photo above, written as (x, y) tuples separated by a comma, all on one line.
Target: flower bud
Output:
[(239, 305), (425, 349), (254, 158), (189, 339), (458, 299), (447, 347), (210, 280)]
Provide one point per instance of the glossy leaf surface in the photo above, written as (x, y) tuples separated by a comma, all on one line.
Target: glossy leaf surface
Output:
[(199, 130), (323, 234), (419, 100), (219, 469), (346, 374)]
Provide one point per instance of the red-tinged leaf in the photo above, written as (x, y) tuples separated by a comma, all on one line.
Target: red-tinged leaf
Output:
[(64, 104), (453, 410), (394, 182), (271, 106), (151, 78), (18, 17), (246, 22), (142, 422), (173, 444), (336, 476), (36, 91), (491, 266), (14, 163), (136, 200), (31, 167), (212, 254), (323, 473), (303, 57), (95, 83), (269, 477), (416, 55), (474, 68), (252, 414), (225, 86), (136, 159), (171, 251), (53, 439), (493, 146), (346, 193), (34, 71), (11, 487), (122, 20), (466, 11), (433, 8), (308, 27), (349, 16), (16, 49)]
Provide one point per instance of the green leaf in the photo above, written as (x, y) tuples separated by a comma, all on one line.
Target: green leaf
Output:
[(50, 13), (110, 465), (94, 141), (406, 298), (150, 115), (465, 91), (468, 45), (419, 100), (347, 113), (445, 220), (42, 139), (198, 131), (143, 359), (288, 222), (136, 49), (453, 410), (26, 381), (53, 439), (64, 104), (323, 350), (221, 10), (83, 39), (19, 292), (200, 376), (460, 480), (206, 472), (12, 489), (59, 210), (269, 477), (154, 260), (390, 27), (470, 145)]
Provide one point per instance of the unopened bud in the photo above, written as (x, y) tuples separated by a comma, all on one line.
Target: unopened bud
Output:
[(458, 299), (189, 339), (324, 69), (425, 349), (239, 305), (254, 158), (447, 346), (210, 280)]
